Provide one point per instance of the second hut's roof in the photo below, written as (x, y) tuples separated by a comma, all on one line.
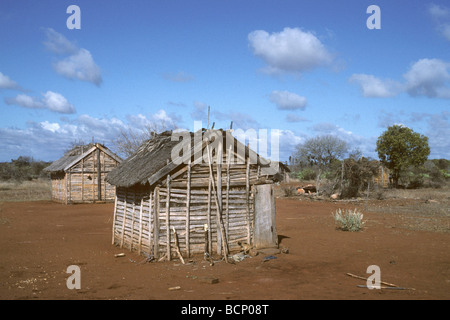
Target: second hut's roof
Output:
[(74, 155)]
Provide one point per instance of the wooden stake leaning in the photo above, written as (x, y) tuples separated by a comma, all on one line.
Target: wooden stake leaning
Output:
[(219, 214), (177, 247)]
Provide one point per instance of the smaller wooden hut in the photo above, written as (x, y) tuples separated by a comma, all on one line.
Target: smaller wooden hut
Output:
[(193, 196), (79, 176)]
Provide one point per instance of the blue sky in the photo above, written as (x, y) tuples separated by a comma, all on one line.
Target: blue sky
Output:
[(304, 68)]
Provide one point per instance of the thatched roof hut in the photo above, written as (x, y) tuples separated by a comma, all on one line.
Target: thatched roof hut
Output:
[(207, 193), (79, 176)]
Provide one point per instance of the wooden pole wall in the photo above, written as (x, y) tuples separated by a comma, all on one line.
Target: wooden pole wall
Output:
[(186, 206)]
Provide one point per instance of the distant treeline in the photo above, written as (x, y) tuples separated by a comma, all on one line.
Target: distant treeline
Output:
[(23, 169)]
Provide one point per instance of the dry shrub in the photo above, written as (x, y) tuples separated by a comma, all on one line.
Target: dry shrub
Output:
[(348, 220)]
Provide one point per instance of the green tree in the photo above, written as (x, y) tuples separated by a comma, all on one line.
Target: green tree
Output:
[(400, 147)]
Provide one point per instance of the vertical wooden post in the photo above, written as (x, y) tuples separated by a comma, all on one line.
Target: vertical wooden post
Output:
[(188, 209), (114, 219), (93, 178), (140, 226), (124, 219), (132, 219), (156, 222), (82, 180), (99, 177), (228, 194), (247, 197), (104, 173), (69, 191), (209, 218), (168, 217), (150, 223), (65, 187), (219, 196), (220, 230)]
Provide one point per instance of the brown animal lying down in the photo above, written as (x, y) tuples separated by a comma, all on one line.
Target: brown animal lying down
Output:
[(307, 189)]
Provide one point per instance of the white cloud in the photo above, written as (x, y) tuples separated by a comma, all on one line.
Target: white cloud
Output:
[(288, 141), (330, 128), (47, 140), (52, 101), (372, 86), (438, 12), (387, 119), (159, 121), (285, 100), (295, 118), (438, 133), (441, 17), (53, 127), (426, 77), (291, 50), (99, 126), (429, 77), (57, 43), (7, 83), (25, 101), (161, 115), (79, 64)]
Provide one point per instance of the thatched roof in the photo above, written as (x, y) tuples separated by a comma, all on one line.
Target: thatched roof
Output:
[(151, 156), (74, 155), (153, 160)]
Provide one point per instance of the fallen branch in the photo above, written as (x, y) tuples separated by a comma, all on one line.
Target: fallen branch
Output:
[(391, 285), (391, 288)]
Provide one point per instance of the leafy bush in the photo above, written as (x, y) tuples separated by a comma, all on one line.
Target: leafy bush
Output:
[(349, 220), (306, 174), (22, 169)]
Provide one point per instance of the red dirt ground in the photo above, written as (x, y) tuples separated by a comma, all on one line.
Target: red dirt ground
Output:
[(39, 240)]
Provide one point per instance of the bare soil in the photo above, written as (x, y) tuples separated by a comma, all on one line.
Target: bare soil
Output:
[(40, 239)]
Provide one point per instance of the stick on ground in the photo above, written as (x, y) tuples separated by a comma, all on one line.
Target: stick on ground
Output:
[(382, 282)]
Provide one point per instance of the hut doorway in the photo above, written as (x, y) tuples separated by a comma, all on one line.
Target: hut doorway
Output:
[(265, 228)]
